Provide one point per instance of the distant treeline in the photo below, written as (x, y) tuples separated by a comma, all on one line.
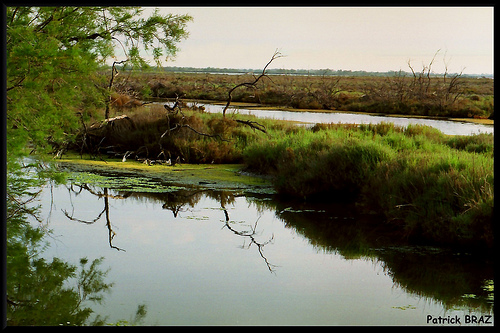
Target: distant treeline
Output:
[(282, 71)]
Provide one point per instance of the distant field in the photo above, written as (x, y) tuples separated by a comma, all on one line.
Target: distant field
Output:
[(402, 93)]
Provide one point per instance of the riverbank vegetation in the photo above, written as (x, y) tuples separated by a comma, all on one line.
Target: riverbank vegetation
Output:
[(433, 187), (420, 180)]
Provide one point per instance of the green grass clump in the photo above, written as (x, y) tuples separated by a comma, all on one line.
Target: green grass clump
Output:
[(434, 187), (446, 197)]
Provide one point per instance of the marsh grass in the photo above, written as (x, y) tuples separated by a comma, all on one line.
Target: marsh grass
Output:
[(141, 134), (432, 186)]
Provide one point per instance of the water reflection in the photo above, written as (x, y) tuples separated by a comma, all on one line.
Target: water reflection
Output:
[(250, 234), (106, 196), (175, 202), (456, 280)]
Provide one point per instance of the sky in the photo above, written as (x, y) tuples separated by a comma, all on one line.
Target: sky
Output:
[(347, 38)]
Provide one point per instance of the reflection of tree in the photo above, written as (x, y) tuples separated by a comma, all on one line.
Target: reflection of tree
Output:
[(251, 235), (437, 273), (42, 291), (176, 201), (36, 292), (173, 201), (106, 196)]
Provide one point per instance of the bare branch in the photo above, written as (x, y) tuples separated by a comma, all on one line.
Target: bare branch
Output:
[(253, 124), (275, 56)]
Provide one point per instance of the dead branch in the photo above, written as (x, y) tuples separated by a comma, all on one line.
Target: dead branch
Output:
[(177, 105), (253, 124), (174, 110), (112, 120), (253, 84), (114, 73), (201, 133)]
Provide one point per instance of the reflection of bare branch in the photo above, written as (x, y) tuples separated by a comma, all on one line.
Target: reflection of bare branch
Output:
[(21, 206), (250, 234), (108, 222), (82, 221), (111, 233), (105, 194)]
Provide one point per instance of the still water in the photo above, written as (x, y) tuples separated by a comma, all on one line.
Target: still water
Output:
[(201, 256), (446, 126)]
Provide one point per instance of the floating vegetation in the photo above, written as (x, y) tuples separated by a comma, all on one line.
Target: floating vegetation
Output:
[(405, 307), (291, 210), (122, 182), (198, 218)]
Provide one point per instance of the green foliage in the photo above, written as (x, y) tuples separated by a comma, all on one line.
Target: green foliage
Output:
[(53, 57), (433, 186)]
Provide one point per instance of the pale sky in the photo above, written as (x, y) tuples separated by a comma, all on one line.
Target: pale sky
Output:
[(348, 38)]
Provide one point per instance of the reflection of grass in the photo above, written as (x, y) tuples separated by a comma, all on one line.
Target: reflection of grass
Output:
[(428, 272), (456, 281), (404, 307)]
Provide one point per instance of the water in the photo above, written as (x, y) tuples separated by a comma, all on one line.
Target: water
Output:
[(198, 256), (445, 126)]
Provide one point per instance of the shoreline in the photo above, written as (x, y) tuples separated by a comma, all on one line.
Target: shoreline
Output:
[(219, 177), (256, 106)]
